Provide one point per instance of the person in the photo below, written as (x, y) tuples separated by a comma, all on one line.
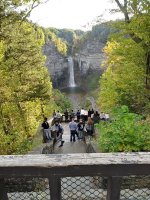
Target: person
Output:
[(92, 111), (96, 117), (78, 115), (58, 130), (54, 114), (46, 131), (58, 116), (66, 115), (72, 115), (82, 113), (97, 113), (102, 116), (89, 113), (107, 117), (90, 126), (80, 128), (85, 115), (73, 130)]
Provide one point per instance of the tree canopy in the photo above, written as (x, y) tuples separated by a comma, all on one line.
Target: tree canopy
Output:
[(124, 87), (25, 86), (126, 79), (136, 25)]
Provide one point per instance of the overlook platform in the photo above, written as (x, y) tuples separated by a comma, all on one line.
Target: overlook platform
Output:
[(71, 174), (95, 176), (68, 147)]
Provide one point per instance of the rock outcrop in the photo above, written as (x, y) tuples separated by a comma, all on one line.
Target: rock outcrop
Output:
[(57, 65), (88, 59), (90, 56)]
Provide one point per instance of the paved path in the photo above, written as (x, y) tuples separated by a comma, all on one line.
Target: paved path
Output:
[(68, 147), (93, 103)]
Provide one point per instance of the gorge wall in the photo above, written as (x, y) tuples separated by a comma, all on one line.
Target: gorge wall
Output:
[(57, 65), (87, 60), (87, 56)]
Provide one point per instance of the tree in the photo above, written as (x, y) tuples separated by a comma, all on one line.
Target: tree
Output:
[(60, 45), (123, 81), (127, 55), (25, 90), (137, 25), (23, 7)]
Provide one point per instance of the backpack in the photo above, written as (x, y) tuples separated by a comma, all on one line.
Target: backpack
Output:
[(89, 127), (60, 128)]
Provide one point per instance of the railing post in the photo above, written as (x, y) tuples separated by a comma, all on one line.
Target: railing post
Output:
[(3, 192), (55, 188), (113, 188)]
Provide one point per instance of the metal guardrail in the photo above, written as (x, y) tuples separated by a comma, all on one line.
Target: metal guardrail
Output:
[(111, 176)]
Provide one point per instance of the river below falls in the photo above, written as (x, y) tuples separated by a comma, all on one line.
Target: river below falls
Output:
[(78, 97)]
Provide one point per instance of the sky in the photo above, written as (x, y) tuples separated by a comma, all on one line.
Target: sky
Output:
[(73, 14)]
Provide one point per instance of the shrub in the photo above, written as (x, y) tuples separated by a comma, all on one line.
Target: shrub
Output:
[(61, 100), (125, 133)]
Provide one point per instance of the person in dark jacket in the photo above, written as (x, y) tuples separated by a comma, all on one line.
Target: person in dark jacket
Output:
[(46, 131), (66, 115), (89, 113), (96, 117), (80, 128), (78, 115)]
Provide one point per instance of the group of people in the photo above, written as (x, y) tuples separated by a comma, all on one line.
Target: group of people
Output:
[(79, 129), (84, 124), (54, 132), (81, 114)]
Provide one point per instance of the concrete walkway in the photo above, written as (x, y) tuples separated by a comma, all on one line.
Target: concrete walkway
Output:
[(68, 147)]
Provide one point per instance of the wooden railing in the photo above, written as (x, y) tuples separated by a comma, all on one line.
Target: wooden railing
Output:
[(54, 167)]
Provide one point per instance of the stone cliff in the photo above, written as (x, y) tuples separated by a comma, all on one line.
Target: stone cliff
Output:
[(87, 55), (57, 65), (86, 61)]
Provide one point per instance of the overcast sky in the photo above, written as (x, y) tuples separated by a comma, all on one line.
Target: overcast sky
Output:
[(73, 14)]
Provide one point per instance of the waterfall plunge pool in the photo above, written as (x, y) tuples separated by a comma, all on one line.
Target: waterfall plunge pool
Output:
[(76, 95), (73, 90)]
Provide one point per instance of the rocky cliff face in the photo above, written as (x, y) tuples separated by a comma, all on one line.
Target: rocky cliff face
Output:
[(87, 60), (57, 66), (87, 54)]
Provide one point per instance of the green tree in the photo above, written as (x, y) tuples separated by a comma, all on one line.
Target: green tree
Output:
[(137, 26), (60, 45), (123, 82), (126, 80), (62, 102), (26, 90)]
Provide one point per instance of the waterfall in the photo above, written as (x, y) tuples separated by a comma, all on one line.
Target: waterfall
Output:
[(71, 73)]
